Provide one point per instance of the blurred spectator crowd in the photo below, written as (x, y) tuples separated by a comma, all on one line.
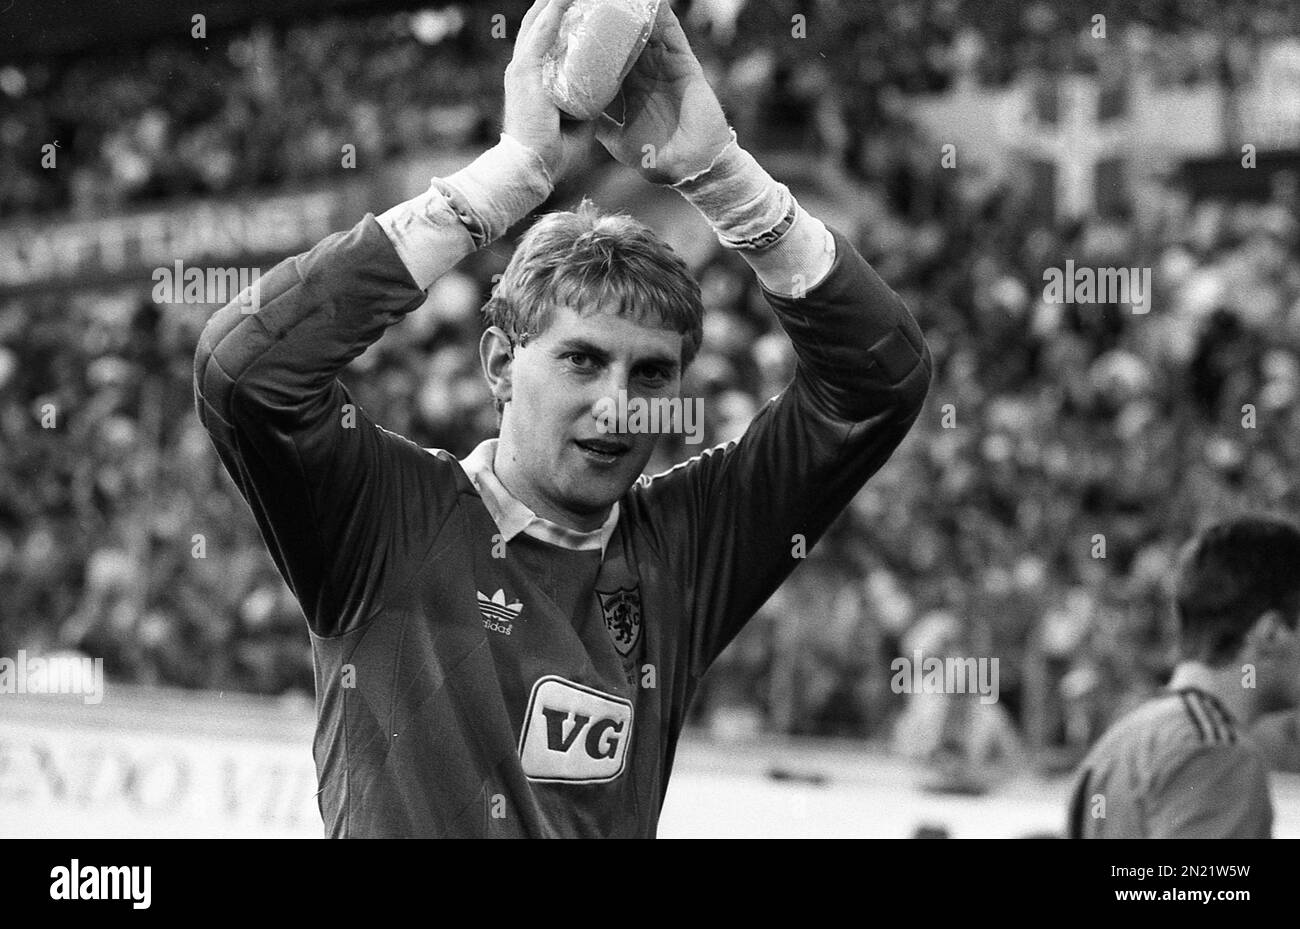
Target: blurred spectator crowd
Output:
[(274, 106), (266, 107), (1033, 513)]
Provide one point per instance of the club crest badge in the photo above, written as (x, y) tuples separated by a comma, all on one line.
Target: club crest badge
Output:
[(622, 612)]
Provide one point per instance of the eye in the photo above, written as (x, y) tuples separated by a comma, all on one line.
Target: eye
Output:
[(655, 375), (580, 361)]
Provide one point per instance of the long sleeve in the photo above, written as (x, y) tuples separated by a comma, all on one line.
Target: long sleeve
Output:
[(333, 494), (736, 519), (339, 500)]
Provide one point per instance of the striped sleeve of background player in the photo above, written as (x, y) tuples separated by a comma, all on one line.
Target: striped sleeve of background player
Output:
[(337, 499), (729, 516)]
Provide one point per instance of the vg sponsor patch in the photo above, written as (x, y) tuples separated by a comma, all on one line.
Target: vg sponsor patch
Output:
[(574, 733)]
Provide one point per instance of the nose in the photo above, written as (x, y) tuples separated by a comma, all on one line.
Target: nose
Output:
[(617, 376), (605, 393)]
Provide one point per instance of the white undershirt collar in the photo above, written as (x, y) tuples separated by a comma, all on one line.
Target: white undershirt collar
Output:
[(512, 516)]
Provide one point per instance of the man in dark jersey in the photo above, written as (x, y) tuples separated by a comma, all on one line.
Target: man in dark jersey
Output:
[(507, 645), (1183, 765)]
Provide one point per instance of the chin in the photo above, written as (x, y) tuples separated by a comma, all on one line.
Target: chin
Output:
[(592, 496), (602, 495)]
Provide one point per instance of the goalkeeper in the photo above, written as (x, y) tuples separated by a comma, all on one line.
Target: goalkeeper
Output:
[(507, 645)]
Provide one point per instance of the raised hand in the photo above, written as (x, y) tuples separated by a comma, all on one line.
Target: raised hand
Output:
[(672, 122), (530, 116)]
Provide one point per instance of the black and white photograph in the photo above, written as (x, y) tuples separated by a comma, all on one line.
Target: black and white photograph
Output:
[(871, 419)]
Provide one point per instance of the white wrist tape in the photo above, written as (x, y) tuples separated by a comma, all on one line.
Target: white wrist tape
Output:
[(499, 188), (790, 250), (745, 205)]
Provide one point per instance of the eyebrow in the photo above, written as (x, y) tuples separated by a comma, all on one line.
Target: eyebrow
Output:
[(600, 354)]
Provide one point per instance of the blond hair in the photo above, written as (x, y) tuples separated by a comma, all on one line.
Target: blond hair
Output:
[(592, 261)]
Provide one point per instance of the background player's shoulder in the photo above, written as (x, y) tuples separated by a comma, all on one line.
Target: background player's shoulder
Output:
[(1193, 724), (1163, 725)]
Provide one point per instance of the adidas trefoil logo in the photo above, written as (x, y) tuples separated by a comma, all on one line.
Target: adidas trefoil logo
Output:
[(497, 614)]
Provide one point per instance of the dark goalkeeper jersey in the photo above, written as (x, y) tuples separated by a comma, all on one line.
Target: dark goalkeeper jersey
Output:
[(470, 685)]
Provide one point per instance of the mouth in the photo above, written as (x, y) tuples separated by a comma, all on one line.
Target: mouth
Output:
[(603, 452)]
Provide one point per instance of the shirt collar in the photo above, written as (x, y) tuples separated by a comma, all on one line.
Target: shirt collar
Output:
[(512, 516), (1194, 676)]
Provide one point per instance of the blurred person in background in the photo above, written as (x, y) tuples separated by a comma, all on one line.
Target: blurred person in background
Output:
[(1278, 736), (1278, 731), (1183, 765), (967, 744)]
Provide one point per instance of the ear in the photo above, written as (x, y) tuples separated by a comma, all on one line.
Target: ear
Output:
[(497, 355), (1271, 634)]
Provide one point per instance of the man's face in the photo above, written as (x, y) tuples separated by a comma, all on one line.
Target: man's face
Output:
[(553, 454)]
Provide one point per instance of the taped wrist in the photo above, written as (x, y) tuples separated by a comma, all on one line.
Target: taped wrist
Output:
[(746, 206), (497, 189)]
